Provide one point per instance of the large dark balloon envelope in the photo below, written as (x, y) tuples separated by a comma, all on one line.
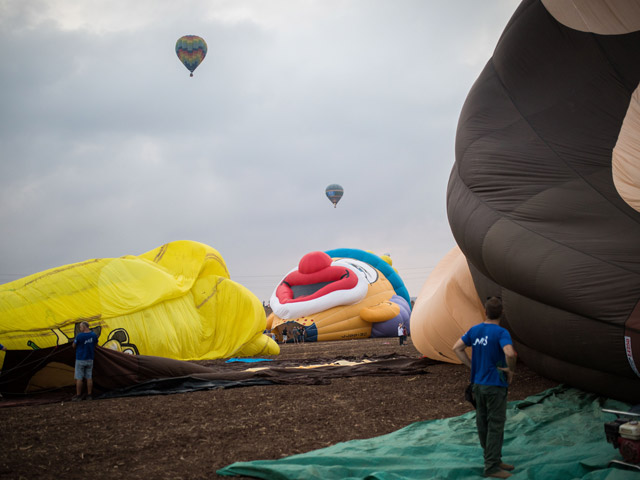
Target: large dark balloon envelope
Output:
[(191, 51), (533, 206), (334, 193)]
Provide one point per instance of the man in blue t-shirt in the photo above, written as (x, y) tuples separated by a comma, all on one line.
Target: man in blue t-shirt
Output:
[(85, 345), (492, 363)]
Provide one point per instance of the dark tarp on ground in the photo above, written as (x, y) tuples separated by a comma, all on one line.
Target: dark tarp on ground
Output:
[(36, 374), (292, 375), (47, 369), (558, 434)]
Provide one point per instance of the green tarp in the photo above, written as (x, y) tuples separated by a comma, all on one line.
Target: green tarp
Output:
[(558, 434)]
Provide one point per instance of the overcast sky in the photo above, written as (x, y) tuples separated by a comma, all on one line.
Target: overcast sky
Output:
[(109, 148)]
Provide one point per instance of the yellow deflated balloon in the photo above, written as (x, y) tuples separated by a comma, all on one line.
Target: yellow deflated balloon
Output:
[(175, 301)]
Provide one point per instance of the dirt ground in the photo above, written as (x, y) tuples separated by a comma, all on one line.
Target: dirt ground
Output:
[(191, 435)]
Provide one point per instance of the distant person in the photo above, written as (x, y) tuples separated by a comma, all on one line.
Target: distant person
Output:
[(492, 363), (302, 332), (284, 335), (400, 333), (404, 334), (85, 345)]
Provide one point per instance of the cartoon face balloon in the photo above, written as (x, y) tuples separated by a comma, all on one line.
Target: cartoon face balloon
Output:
[(340, 297), (543, 197)]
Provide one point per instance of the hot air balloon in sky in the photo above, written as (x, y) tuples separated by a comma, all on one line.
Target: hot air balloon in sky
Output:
[(334, 193), (191, 51)]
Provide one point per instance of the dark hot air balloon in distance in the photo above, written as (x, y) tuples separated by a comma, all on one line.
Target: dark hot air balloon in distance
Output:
[(334, 193), (191, 50)]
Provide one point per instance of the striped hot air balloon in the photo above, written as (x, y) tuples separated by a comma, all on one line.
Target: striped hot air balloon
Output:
[(334, 193), (191, 50)]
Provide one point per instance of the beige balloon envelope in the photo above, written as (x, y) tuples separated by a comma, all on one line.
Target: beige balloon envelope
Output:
[(447, 306), (608, 17), (626, 155)]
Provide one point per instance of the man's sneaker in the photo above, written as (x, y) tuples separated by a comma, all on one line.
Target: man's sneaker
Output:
[(507, 467), (76, 398), (88, 397)]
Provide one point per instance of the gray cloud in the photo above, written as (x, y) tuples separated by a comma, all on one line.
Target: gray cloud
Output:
[(109, 148)]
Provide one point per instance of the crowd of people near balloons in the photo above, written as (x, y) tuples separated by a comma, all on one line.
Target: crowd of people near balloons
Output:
[(294, 334)]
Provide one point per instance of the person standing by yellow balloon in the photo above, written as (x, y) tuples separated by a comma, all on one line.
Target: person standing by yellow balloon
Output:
[(85, 346)]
